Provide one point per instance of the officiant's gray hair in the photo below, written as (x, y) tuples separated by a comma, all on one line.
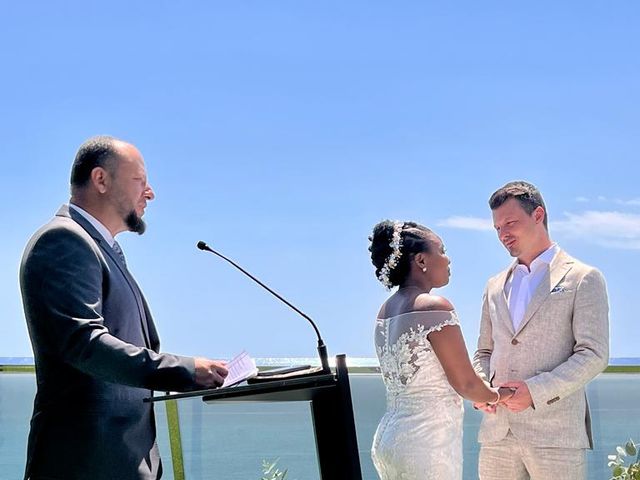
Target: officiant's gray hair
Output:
[(98, 151)]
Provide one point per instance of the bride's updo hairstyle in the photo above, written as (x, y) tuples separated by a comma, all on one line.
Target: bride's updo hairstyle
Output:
[(413, 239)]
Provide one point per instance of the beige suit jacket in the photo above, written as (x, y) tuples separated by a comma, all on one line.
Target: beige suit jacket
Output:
[(560, 345)]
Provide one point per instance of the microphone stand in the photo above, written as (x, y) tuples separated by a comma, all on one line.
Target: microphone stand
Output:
[(322, 349)]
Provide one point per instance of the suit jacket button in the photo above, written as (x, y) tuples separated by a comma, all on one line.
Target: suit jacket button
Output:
[(514, 342)]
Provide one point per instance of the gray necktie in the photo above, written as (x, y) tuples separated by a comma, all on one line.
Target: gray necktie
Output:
[(119, 252)]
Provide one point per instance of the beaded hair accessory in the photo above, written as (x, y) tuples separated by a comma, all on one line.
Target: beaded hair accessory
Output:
[(392, 260)]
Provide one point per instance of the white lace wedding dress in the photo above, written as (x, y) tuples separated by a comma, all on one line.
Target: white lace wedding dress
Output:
[(420, 435)]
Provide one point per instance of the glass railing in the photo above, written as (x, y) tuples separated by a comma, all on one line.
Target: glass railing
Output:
[(231, 440)]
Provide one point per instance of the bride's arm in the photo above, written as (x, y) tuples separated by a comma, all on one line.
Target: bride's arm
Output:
[(448, 345)]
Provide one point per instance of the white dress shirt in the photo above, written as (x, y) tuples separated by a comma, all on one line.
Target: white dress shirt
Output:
[(102, 230), (523, 282)]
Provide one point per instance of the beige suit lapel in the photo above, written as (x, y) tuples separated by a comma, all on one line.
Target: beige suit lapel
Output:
[(558, 268), (501, 302)]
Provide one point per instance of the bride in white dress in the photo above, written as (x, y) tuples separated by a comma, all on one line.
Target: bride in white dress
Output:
[(423, 359)]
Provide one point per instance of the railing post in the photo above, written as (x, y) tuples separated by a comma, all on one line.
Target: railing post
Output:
[(173, 422)]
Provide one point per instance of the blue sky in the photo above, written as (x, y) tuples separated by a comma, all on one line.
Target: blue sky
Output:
[(280, 132)]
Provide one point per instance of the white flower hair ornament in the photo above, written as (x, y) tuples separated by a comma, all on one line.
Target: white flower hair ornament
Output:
[(392, 260)]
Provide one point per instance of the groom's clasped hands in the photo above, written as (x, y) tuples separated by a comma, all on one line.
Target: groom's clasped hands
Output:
[(514, 396)]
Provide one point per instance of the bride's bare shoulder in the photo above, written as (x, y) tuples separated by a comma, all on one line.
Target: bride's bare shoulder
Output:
[(426, 302)]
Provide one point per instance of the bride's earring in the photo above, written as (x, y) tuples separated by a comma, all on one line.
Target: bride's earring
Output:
[(424, 269)]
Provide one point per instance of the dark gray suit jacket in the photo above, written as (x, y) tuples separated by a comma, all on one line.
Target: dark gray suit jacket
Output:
[(95, 348)]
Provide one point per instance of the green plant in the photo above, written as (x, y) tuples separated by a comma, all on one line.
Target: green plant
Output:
[(271, 472), (619, 470)]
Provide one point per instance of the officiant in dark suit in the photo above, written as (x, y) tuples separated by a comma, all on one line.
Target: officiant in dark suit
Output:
[(95, 345)]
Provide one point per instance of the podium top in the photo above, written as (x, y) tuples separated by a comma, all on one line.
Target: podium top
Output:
[(295, 389)]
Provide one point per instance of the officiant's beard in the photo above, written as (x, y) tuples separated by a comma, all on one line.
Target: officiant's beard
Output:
[(135, 223)]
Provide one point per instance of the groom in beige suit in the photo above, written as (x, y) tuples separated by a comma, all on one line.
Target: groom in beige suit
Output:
[(545, 333)]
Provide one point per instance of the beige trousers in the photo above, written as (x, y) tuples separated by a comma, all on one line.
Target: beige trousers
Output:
[(509, 459)]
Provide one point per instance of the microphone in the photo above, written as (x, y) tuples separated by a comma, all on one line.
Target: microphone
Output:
[(322, 349)]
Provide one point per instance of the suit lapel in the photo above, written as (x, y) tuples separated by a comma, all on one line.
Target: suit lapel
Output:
[(145, 315), (134, 288), (106, 249), (558, 268), (500, 298)]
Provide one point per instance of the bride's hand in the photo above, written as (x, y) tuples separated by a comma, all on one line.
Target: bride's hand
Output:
[(485, 407), (505, 393)]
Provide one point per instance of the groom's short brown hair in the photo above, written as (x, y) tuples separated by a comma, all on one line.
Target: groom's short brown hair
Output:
[(528, 196)]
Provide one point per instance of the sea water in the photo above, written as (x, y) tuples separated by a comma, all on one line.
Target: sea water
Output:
[(230, 440)]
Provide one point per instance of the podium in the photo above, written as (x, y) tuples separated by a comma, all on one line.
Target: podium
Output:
[(329, 395)]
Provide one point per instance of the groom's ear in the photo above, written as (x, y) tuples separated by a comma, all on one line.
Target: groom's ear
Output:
[(539, 214)]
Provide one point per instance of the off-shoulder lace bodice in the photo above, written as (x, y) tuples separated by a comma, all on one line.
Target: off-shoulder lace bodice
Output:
[(420, 435), (403, 348)]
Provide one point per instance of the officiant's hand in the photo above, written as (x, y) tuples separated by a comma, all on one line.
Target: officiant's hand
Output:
[(210, 373), (521, 399)]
